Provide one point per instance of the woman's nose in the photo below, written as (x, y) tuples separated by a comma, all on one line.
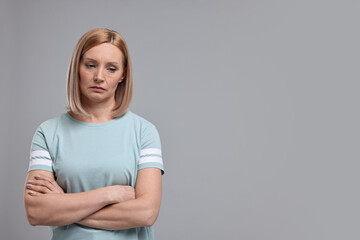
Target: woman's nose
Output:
[(99, 76)]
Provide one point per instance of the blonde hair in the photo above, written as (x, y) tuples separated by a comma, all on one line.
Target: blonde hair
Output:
[(123, 93)]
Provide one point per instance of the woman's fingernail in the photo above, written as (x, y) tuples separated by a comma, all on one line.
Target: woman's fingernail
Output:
[(31, 192), (37, 176), (28, 185), (30, 181)]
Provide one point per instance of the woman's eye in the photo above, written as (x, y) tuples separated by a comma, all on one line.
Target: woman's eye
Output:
[(90, 65), (112, 69)]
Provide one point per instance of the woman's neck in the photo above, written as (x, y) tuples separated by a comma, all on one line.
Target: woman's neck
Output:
[(98, 113)]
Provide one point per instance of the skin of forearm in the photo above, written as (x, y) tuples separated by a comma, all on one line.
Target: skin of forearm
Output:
[(64, 209), (129, 214)]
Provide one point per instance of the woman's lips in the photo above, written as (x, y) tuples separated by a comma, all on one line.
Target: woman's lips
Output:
[(97, 89)]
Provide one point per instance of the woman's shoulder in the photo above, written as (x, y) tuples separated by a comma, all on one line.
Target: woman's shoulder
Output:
[(140, 119), (53, 122)]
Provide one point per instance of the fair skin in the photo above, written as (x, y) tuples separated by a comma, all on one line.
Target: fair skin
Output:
[(113, 207), (101, 66)]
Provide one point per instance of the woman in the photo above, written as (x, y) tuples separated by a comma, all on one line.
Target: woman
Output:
[(95, 171)]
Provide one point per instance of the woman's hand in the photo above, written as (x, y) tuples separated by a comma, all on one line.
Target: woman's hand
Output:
[(42, 185), (121, 193)]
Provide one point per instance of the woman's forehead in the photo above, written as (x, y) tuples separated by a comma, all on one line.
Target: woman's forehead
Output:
[(104, 52)]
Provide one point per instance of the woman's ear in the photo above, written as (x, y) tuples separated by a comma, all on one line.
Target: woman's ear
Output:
[(122, 78)]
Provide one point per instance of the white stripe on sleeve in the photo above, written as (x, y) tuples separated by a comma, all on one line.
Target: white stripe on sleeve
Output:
[(40, 161), (40, 153), (148, 151), (150, 159)]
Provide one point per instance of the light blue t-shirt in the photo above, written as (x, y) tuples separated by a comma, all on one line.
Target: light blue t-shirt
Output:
[(85, 156)]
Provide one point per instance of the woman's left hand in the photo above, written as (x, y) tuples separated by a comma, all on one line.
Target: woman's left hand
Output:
[(43, 185)]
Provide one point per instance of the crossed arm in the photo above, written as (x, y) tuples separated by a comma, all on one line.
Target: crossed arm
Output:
[(111, 208)]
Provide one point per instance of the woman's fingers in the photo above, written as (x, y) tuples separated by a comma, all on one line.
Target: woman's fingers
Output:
[(43, 184), (37, 188), (55, 187), (51, 181), (124, 193), (33, 193)]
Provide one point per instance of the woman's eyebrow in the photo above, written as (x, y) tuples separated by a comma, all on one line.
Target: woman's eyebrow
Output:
[(114, 63), (90, 59)]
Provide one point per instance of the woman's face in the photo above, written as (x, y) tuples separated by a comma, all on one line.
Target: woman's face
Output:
[(100, 71)]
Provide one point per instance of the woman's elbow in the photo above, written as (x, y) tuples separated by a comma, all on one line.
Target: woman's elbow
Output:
[(151, 216), (32, 213), (36, 217), (33, 221)]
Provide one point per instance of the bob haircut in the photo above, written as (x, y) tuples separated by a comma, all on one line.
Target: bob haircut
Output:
[(123, 93)]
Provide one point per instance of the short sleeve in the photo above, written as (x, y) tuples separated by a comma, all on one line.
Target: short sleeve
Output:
[(150, 154), (40, 158)]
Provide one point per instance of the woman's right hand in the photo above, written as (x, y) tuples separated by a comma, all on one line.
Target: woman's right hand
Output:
[(121, 193)]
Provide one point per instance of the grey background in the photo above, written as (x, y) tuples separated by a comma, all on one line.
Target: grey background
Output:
[(256, 103)]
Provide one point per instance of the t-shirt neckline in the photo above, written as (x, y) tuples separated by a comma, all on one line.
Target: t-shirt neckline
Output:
[(88, 124)]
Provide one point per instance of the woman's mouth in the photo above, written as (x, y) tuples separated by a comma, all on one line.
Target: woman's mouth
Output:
[(97, 89)]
